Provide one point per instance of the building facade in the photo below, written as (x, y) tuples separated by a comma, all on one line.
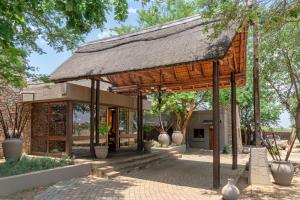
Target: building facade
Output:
[(200, 129), (59, 119)]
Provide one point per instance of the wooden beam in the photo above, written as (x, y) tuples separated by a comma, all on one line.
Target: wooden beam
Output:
[(177, 84), (140, 121), (233, 122), (216, 125), (97, 110), (235, 65), (188, 70), (241, 51), (92, 119), (201, 70), (175, 75)]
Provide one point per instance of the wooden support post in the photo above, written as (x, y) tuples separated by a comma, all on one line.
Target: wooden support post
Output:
[(69, 127), (92, 118), (140, 121), (233, 121), (216, 125), (97, 110)]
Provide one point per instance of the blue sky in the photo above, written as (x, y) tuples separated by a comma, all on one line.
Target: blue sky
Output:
[(48, 62)]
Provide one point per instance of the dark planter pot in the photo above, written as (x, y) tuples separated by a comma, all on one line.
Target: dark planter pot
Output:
[(282, 172), (147, 146), (12, 149), (101, 151)]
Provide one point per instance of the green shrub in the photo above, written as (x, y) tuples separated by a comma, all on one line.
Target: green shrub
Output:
[(104, 129), (27, 164), (226, 149), (276, 151)]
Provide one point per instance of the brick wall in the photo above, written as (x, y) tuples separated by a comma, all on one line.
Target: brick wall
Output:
[(282, 135), (10, 96)]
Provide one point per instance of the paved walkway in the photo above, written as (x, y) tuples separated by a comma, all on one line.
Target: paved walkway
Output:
[(187, 178)]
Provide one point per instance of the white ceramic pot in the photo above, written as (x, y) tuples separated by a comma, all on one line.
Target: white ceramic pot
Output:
[(101, 151), (164, 138), (230, 191), (12, 148), (177, 137), (282, 172)]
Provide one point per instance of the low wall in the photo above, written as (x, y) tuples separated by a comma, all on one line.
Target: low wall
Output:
[(282, 135), (12, 184)]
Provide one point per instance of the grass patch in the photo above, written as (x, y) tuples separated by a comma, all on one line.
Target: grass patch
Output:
[(27, 164)]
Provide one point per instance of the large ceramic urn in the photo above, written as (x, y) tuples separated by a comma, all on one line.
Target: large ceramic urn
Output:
[(164, 138), (282, 172), (12, 148), (177, 137), (230, 191), (101, 151)]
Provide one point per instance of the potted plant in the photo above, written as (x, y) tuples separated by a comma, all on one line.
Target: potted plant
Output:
[(282, 169), (163, 137), (13, 122), (101, 151), (177, 135), (147, 142)]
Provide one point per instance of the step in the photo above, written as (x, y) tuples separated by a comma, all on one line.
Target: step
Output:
[(112, 174), (136, 163)]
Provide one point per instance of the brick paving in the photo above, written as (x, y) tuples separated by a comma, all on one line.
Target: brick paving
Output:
[(187, 178)]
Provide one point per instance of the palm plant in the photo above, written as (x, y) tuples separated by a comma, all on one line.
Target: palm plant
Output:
[(13, 121)]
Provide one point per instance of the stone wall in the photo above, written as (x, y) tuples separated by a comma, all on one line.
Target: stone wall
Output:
[(10, 96)]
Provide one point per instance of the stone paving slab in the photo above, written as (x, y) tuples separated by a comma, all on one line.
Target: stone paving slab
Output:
[(259, 167), (185, 179)]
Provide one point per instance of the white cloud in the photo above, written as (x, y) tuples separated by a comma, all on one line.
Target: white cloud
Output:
[(132, 10), (105, 34)]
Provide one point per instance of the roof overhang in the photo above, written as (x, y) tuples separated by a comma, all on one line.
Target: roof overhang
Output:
[(177, 56)]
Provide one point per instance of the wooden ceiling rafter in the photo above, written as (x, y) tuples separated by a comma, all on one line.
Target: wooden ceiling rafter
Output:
[(176, 84)]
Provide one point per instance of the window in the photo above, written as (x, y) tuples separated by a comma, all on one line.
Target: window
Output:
[(199, 133), (123, 121)]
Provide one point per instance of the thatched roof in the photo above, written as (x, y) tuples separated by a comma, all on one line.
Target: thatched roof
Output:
[(178, 42)]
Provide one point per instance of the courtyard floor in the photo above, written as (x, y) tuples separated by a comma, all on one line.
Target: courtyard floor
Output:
[(187, 178)]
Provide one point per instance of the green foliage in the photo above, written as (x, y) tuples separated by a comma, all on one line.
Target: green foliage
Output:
[(226, 149), (147, 128), (276, 150), (162, 11), (280, 54), (61, 24), (124, 29), (27, 164), (104, 129)]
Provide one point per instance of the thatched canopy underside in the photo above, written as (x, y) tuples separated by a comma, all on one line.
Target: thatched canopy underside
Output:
[(177, 56)]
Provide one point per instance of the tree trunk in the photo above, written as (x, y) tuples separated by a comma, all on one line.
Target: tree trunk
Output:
[(298, 121), (256, 96)]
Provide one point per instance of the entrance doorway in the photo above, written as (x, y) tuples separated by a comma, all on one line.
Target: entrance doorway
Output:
[(113, 134)]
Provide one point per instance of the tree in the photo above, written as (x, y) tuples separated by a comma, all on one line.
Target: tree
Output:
[(60, 23), (270, 108), (182, 104), (264, 16), (280, 52)]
